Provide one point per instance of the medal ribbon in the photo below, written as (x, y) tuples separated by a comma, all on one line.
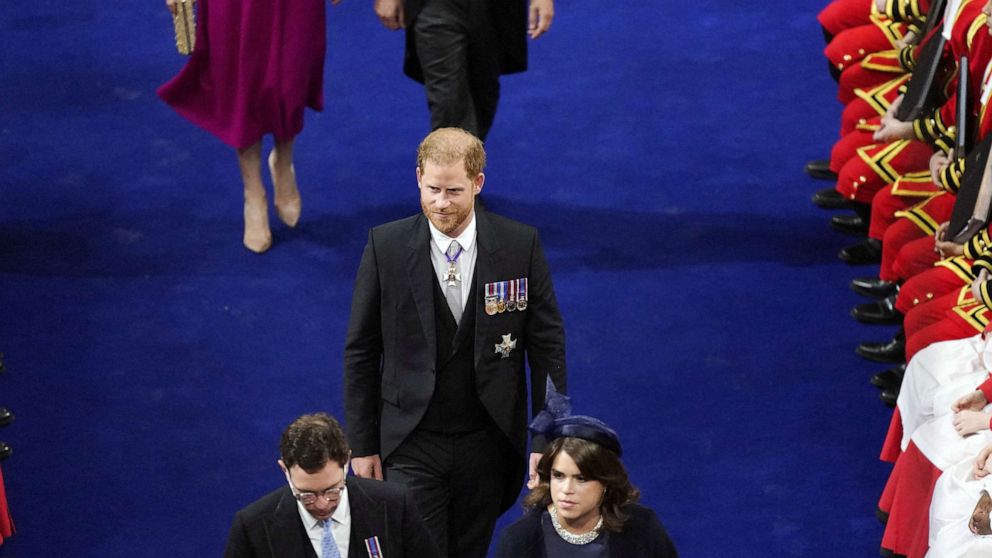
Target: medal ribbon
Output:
[(453, 259), (373, 548)]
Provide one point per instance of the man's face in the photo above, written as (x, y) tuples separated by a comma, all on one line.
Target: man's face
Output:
[(447, 195), (331, 476)]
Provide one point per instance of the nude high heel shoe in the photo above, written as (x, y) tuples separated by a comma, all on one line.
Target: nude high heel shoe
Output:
[(288, 202), (258, 237)]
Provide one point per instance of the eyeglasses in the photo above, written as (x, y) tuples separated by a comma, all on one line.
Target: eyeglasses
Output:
[(309, 498)]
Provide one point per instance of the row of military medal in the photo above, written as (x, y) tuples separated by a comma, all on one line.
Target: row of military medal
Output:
[(506, 296)]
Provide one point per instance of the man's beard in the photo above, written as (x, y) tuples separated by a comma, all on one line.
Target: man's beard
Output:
[(449, 221)]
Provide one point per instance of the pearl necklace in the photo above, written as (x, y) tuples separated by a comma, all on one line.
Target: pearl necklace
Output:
[(584, 538)]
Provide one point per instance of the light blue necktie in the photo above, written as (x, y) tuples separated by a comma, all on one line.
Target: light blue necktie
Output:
[(328, 548)]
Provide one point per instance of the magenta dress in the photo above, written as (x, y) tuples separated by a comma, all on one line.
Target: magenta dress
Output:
[(256, 65)]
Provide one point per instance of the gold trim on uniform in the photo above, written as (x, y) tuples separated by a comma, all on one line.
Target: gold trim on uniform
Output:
[(876, 96), (889, 61), (918, 216), (881, 160), (959, 266), (974, 313), (915, 184)]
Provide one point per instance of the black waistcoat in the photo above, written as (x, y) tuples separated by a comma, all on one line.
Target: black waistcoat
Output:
[(454, 407)]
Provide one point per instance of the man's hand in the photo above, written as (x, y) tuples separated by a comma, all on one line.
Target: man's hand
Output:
[(983, 465), (969, 422), (974, 401), (539, 19), (368, 467), (891, 111), (173, 5), (946, 248), (390, 13), (976, 291), (880, 4), (938, 162), (893, 129), (532, 478), (906, 40)]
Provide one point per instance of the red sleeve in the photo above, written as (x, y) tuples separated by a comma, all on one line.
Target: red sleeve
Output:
[(986, 388)]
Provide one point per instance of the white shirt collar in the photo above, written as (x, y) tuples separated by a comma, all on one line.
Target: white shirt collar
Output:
[(341, 515), (466, 240)]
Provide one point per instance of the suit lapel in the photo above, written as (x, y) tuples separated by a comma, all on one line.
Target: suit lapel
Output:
[(487, 265), (285, 529), (368, 519), (421, 275)]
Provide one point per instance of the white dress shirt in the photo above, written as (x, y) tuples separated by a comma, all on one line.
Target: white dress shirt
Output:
[(340, 526), (465, 264)]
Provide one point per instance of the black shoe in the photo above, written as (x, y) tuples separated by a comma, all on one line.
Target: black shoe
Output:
[(868, 251), (5, 451), (830, 198), (889, 396), (849, 224), (891, 351), (878, 312), (820, 169), (873, 287), (6, 417), (834, 72), (881, 516), (889, 379)]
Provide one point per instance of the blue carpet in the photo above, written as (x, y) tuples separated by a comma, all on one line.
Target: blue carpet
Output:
[(152, 361)]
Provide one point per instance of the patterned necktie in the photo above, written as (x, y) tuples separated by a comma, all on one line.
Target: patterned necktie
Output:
[(453, 293), (328, 548)]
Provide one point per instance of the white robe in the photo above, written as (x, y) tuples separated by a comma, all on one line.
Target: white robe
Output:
[(939, 375), (954, 499)]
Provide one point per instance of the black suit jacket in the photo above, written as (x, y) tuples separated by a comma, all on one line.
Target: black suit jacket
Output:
[(510, 21), (390, 351), (271, 526), (643, 536)]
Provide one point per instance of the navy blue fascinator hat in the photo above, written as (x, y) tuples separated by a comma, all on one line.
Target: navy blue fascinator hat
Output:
[(557, 421)]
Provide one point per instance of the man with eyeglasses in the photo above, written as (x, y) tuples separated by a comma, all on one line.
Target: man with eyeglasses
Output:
[(322, 512)]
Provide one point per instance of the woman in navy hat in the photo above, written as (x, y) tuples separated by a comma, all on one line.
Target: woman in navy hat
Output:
[(583, 505)]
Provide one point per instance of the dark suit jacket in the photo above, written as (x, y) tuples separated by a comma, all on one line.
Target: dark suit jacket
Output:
[(271, 526), (510, 21), (390, 351), (643, 536)]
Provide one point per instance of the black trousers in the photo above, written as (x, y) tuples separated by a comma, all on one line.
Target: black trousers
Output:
[(458, 49), (458, 481)]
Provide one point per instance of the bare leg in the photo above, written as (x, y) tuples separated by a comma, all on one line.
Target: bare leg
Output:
[(258, 237), (288, 201)]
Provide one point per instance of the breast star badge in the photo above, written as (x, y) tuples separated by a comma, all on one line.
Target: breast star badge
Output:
[(503, 349)]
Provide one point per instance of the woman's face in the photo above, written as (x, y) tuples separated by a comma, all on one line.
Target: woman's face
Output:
[(576, 497)]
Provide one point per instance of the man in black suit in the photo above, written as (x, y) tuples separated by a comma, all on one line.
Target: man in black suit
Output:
[(459, 48), (323, 514), (446, 305)]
